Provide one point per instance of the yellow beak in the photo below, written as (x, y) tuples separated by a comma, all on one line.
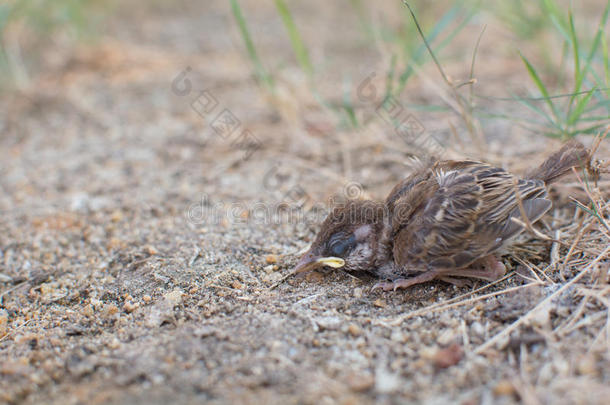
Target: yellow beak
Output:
[(310, 262)]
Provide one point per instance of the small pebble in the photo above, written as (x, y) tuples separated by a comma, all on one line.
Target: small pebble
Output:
[(129, 306), (586, 366), (328, 322), (504, 387), (116, 216), (174, 297), (204, 331), (357, 292), (354, 329), (110, 310), (386, 382), (3, 322), (398, 336), (449, 356), (477, 329), (380, 303), (113, 343), (88, 310), (359, 382), (314, 277), (446, 337), (271, 259), (150, 250)]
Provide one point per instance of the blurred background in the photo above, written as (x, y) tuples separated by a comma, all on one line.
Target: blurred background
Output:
[(336, 90), (163, 162)]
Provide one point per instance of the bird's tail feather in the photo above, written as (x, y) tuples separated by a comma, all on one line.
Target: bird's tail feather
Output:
[(572, 154)]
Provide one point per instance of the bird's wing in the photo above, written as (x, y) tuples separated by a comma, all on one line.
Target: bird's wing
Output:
[(464, 213)]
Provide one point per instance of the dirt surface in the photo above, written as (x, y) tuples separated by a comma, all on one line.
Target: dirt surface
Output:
[(139, 240)]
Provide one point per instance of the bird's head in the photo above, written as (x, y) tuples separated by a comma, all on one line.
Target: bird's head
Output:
[(349, 238)]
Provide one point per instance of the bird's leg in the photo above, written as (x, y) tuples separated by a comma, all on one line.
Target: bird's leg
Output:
[(456, 281), (407, 282), (488, 268)]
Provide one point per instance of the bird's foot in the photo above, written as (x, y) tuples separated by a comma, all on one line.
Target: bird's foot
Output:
[(406, 282), (386, 285), (488, 268), (457, 281)]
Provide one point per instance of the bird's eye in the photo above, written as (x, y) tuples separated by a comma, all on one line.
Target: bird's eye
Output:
[(340, 246)]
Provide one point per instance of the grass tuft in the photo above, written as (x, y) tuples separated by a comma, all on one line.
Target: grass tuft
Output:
[(27, 25), (584, 108), (262, 75), (298, 46)]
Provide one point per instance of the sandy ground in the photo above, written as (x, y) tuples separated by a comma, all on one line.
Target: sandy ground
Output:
[(140, 235)]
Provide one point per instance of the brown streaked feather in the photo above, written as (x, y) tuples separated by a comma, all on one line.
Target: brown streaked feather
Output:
[(572, 154), (457, 212)]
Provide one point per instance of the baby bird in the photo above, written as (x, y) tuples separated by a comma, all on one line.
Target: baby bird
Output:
[(449, 221)]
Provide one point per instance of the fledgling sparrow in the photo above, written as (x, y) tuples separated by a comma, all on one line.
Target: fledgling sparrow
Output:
[(447, 220)]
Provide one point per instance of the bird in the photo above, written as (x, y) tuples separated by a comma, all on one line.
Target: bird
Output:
[(450, 220)]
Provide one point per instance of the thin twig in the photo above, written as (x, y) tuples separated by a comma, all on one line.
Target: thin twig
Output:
[(444, 306), (15, 330), (542, 304), (579, 235), (421, 33)]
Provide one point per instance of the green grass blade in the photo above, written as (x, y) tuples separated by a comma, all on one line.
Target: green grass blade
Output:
[(437, 29), (575, 115), (594, 118), (262, 75), (574, 41), (599, 104), (362, 17), (5, 12), (590, 211), (298, 46), (474, 57), (601, 96), (606, 64), (456, 30), (599, 36), (578, 74), (428, 107), (5, 68), (551, 8), (347, 103), (516, 118), (390, 79), (530, 105), (594, 129), (604, 45), (419, 54), (534, 76)]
